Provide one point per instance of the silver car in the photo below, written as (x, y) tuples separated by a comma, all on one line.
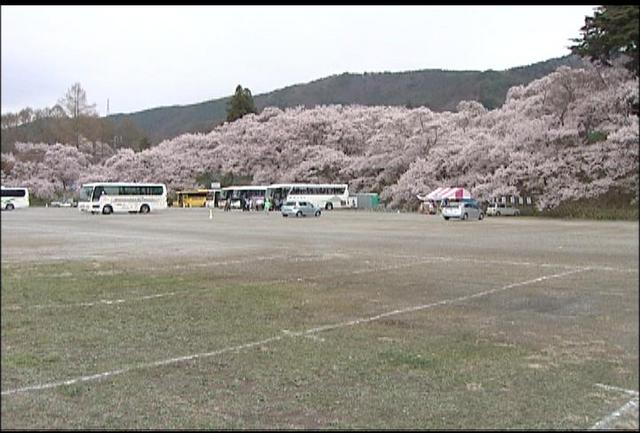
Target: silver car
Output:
[(497, 209), (63, 204), (300, 208), (463, 211)]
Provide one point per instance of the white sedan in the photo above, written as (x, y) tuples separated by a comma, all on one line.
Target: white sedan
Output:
[(463, 211)]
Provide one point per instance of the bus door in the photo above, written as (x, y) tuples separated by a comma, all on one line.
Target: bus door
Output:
[(98, 191)]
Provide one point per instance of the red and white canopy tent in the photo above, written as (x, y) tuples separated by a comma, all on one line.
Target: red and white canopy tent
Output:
[(453, 193)]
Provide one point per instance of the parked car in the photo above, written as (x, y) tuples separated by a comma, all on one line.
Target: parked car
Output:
[(67, 203), (300, 208), (497, 209), (463, 211)]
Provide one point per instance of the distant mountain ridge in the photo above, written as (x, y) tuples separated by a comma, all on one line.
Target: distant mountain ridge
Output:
[(440, 90)]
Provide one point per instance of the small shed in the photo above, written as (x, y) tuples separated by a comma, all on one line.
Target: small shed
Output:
[(365, 200)]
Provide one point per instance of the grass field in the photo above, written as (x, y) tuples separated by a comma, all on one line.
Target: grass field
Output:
[(350, 320)]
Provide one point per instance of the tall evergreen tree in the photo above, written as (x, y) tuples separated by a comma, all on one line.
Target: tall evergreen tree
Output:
[(241, 103), (612, 32)]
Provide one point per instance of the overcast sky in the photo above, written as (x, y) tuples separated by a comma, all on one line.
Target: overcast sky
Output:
[(149, 56)]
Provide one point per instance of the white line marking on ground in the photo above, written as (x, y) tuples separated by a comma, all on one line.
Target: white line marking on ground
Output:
[(66, 382), (425, 260), (324, 257), (138, 367), (225, 263), (435, 304), (288, 333), (142, 298), (615, 388), (627, 407), (297, 334), (505, 262), (90, 304)]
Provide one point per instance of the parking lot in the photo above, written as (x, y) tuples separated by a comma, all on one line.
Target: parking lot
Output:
[(354, 319)]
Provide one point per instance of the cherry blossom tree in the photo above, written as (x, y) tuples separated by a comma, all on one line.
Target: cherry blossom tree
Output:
[(572, 134)]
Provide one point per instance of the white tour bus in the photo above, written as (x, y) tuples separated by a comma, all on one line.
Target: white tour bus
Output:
[(14, 198), (323, 195), (108, 197), (236, 194)]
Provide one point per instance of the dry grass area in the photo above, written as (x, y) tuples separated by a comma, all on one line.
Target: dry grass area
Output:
[(350, 320)]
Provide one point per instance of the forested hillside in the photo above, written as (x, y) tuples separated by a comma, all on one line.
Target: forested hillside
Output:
[(435, 89)]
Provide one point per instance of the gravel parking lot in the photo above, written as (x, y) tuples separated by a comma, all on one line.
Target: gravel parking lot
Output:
[(41, 234)]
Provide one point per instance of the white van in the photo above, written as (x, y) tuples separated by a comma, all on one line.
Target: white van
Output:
[(497, 209)]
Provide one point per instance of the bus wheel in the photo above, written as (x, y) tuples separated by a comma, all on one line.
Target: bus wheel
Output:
[(107, 210), (144, 208), (10, 206), (329, 206)]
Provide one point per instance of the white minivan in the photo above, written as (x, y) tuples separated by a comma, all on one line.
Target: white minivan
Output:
[(497, 209)]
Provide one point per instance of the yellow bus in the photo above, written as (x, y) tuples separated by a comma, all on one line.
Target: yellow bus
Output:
[(195, 198)]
